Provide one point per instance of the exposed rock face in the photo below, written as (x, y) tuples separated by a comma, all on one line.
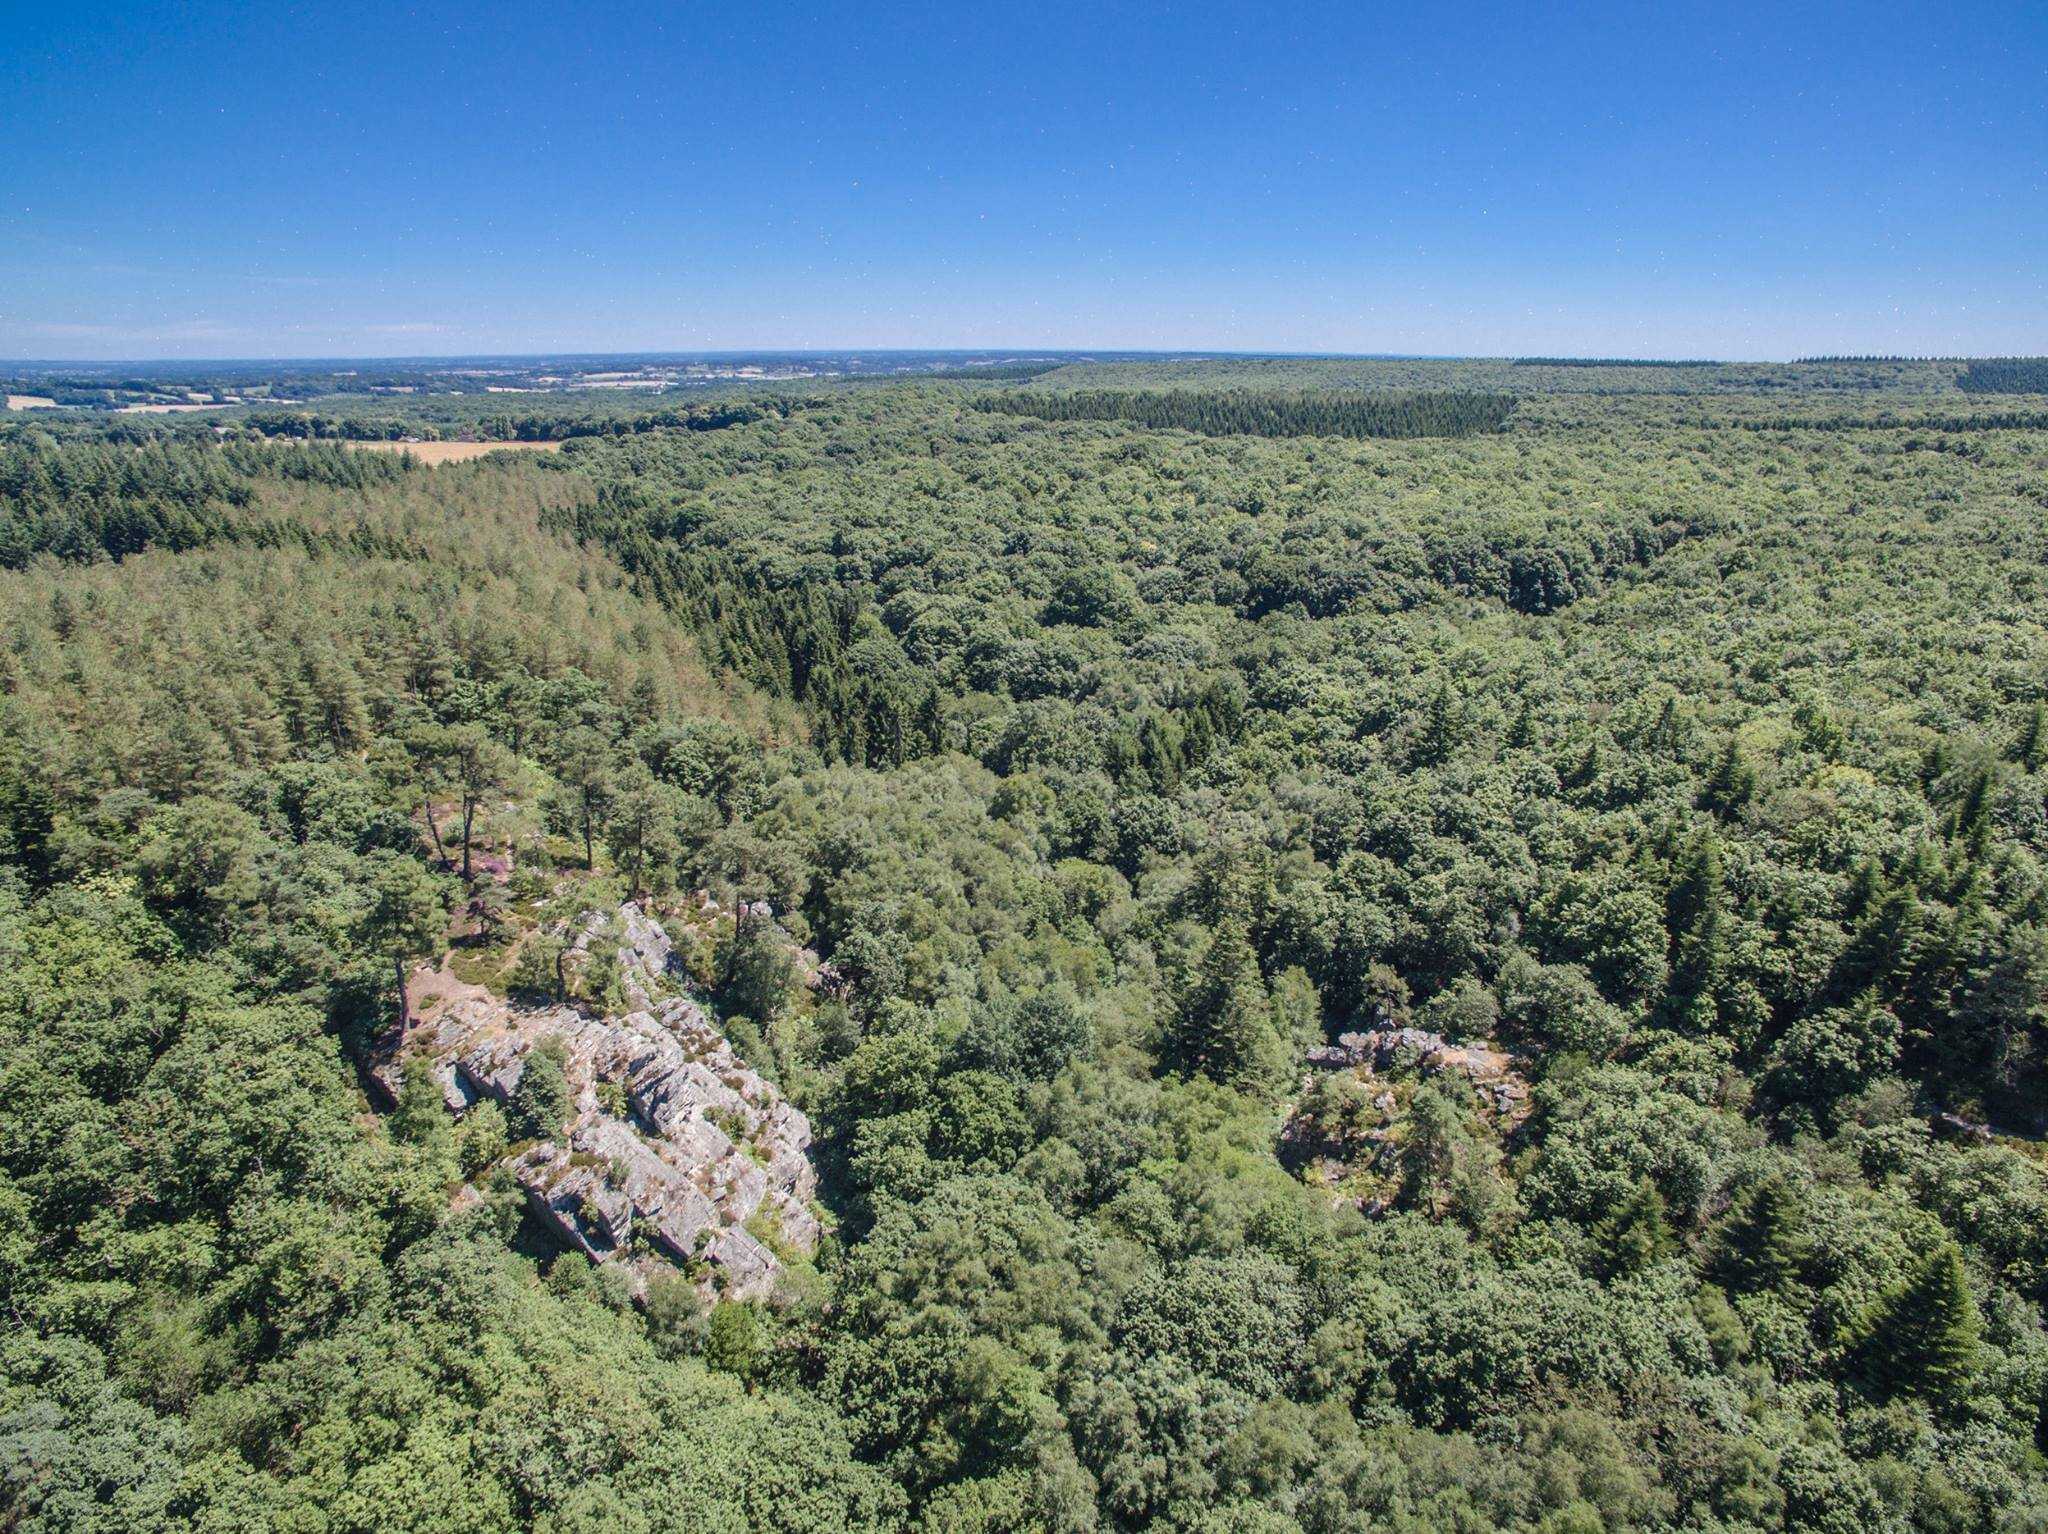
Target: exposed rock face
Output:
[(1348, 1131), (674, 1144), (646, 956), (1489, 1068)]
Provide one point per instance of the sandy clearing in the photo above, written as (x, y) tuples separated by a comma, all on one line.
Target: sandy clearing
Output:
[(457, 452)]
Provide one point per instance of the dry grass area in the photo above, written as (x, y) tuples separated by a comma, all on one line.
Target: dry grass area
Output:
[(458, 452), (30, 402)]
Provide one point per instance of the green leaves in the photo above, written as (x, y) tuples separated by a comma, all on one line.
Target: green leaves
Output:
[(542, 1102)]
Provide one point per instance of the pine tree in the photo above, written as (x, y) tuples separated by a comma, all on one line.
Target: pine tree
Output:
[(585, 771), (1922, 1340), (732, 1340), (1694, 912), (1635, 1235), (421, 1117), (1731, 784), (1970, 822), (1935, 763), (1522, 732), (2030, 749), (479, 767), (1882, 942), (1223, 1028), (407, 920), (930, 728), (1762, 1243), (541, 1103), (1439, 730)]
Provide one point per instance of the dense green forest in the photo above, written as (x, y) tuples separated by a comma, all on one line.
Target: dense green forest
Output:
[(2005, 375), (489, 424), (1265, 414), (1343, 982), (1536, 375), (1630, 362)]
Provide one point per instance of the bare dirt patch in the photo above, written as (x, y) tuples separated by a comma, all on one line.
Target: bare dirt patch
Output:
[(458, 452)]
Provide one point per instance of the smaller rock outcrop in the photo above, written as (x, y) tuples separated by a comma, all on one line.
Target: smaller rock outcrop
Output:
[(1348, 1129), (1488, 1067)]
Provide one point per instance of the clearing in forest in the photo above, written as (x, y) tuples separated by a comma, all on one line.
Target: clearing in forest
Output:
[(457, 452)]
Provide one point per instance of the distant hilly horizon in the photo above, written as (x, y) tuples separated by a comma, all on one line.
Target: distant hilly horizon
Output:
[(1019, 353)]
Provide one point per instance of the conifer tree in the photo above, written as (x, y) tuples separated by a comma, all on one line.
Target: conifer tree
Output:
[(421, 1118), (1438, 731), (1970, 823), (585, 771), (407, 919), (1762, 1243), (1694, 911), (931, 724), (479, 767), (541, 1104), (1731, 784), (2030, 749), (1223, 1028), (1882, 943), (732, 1340), (642, 831), (1636, 1234), (1922, 1340), (1522, 731)]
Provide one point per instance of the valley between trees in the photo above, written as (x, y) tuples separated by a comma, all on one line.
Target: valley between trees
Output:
[(1263, 945)]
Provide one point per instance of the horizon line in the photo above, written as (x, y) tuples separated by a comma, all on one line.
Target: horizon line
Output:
[(710, 353)]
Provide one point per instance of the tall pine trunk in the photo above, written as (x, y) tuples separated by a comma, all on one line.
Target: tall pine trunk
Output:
[(433, 830)]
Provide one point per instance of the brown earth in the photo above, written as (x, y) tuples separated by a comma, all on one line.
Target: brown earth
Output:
[(457, 452)]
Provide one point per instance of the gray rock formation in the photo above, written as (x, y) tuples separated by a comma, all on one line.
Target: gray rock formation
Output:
[(676, 1147), (1347, 1132), (1489, 1069)]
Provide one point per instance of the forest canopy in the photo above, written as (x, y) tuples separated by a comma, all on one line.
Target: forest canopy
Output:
[(1340, 980), (1270, 415)]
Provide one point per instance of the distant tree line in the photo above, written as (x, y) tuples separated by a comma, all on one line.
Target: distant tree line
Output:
[(1006, 372), (2000, 420), (303, 426), (306, 425), (1614, 362), (2005, 375), (1243, 413)]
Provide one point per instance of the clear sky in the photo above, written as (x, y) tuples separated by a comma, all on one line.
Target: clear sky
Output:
[(1727, 180)]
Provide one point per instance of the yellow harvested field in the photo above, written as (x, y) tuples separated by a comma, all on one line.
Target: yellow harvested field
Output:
[(457, 452), (30, 402)]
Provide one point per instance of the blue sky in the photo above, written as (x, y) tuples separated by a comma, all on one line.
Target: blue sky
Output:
[(1727, 180)]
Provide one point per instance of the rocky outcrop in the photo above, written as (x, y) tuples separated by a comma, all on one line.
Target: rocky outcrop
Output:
[(1349, 1128), (1490, 1069), (642, 950), (675, 1148)]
